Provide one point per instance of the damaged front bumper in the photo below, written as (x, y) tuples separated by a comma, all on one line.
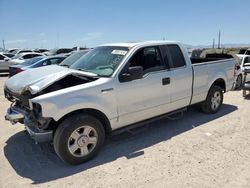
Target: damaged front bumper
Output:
[(15, 115)]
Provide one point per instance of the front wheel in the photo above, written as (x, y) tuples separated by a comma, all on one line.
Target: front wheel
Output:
[(213, 101), (79, 138)]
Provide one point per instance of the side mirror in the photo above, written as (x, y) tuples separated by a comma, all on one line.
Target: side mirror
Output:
[(132, 73)]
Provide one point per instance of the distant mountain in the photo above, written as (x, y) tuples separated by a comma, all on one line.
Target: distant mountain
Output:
[(222, 46)]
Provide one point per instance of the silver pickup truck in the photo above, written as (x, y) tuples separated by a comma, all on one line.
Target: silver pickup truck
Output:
[(111, 88)]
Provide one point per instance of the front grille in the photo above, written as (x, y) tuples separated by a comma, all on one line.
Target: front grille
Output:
[(22, 100)]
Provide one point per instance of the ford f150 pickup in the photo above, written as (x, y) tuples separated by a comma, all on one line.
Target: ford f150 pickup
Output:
[(113, 87)]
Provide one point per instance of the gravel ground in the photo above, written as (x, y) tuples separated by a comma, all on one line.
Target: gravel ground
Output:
[(198, 150)]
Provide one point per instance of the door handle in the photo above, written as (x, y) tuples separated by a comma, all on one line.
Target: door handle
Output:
[(166, 81)]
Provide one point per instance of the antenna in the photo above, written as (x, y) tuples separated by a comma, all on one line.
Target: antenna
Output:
[(219, 40), (3, 45)]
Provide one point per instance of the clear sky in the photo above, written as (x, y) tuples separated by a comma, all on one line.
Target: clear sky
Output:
[(67, 23)]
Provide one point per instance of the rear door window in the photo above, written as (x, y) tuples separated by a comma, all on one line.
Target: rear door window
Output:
[(176, 56)]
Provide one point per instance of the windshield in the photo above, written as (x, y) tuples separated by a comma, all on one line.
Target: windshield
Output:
[(73, 58), (18, 56), (32, 61), (9, 55), (247, 52), (102, 61)]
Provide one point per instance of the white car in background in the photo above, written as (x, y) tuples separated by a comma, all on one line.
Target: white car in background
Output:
[(4, 63), (11, 50), (20, 51), (20, 58), (243, 60)]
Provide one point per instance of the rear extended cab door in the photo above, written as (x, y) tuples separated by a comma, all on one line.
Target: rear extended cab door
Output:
[(181, 80)]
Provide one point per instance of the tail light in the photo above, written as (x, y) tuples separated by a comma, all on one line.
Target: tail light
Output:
[(18, 70)]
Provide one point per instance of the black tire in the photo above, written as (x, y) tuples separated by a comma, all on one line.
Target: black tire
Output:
[(63, 134), (208, 106), (238, 83)]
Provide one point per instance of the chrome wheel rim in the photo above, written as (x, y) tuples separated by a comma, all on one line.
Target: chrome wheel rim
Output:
[(216, 100), (82, 141)]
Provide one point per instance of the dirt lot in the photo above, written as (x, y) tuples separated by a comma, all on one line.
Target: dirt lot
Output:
[(198, 150)]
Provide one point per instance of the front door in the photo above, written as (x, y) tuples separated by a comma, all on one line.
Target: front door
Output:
[(146, 97)]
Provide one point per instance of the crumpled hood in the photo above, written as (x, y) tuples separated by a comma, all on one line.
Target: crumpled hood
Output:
[(35, 80)]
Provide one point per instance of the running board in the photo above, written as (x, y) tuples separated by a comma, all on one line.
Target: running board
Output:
[(178, 114)]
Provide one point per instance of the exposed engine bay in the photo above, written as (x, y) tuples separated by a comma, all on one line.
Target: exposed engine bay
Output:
[(30, 113)]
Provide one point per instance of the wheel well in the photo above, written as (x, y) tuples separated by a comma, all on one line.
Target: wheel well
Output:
[(221, 83), (93, 112)]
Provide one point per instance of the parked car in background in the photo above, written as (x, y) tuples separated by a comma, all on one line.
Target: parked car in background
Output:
[(59, 51), (4, 63), (7, 54), (243, 60), (73, 58), (16, 52), (34, 63), (40, 50), (20, 58), (11, 50)]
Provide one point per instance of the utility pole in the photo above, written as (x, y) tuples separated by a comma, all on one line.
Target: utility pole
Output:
[(219, 40), (213, 43), (3, 45)]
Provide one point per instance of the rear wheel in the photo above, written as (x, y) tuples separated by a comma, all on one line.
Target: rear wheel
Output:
[(213, 101), (79, 138)]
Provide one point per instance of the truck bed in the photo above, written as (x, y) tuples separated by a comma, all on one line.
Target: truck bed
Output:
[(208, 59), (205, 70)]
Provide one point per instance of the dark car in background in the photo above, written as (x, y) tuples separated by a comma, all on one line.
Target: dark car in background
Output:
[(34, 63), (40, 50), (59, 51), (73, 58)]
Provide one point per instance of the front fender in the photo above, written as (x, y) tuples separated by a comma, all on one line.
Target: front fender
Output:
[(57, 108)]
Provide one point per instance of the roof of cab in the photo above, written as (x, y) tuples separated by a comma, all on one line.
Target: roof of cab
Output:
[(133, 44)]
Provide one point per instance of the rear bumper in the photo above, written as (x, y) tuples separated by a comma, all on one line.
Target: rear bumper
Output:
[(15, 115)]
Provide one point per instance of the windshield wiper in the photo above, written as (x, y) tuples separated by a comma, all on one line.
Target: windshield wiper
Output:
[(80, 69), (64, 65), (84, 70)]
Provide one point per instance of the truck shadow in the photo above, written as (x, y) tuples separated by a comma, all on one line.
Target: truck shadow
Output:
[(40, 163)]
